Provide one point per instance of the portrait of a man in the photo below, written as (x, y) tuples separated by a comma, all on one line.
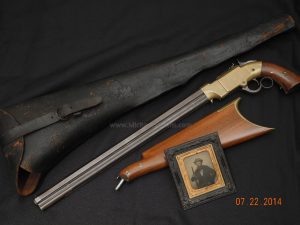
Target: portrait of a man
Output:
[(197, 171), (203, 175)]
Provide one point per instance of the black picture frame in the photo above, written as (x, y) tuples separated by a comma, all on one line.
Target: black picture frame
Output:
[(210, 180)]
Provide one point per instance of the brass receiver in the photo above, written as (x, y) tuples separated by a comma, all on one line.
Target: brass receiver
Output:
[(238, 76)]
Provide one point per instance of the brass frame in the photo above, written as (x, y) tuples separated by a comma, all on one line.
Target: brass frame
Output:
[(238, 76), (182, 167)]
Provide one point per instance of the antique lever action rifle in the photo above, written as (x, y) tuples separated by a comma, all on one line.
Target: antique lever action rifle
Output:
[(238, 76)]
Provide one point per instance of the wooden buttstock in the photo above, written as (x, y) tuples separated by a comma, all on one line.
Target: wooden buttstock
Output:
[(231, 126)]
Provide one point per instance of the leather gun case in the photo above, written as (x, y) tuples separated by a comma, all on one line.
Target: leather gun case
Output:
[(39, 132)]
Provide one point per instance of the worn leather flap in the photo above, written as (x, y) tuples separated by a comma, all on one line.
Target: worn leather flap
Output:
[(61, 113)]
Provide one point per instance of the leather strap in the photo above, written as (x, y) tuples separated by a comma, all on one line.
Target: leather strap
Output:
[(62, 113)]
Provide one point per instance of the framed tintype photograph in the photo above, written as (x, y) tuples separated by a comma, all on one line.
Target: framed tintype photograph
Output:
[(200, 171)]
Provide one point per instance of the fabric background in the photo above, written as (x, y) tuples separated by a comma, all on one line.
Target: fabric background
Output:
[(49, 45)]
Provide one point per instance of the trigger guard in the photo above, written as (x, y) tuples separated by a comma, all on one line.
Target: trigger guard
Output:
[(253, 91)]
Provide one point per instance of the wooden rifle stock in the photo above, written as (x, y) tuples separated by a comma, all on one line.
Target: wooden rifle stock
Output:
[(231, 126)]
